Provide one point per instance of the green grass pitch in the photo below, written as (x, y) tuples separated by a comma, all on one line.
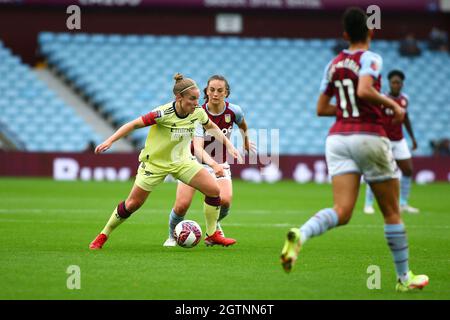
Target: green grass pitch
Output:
[(46, 226)]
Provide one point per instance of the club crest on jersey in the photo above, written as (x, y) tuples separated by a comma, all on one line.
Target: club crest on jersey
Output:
[(403, 102), (374, 66), (228, 118)]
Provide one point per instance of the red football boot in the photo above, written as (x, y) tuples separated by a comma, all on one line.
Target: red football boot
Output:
[(217, 238), (98, 242)]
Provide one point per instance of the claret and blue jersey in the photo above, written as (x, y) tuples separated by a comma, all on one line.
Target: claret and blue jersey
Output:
[(340, 79), (232, 114)]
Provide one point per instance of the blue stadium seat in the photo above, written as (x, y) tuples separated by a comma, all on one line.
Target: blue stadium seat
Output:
[(276, 80), (25, 97)]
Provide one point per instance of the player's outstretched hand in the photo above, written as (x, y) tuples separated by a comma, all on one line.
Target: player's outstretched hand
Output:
[(236, 154), (103, 147), (219, 169)]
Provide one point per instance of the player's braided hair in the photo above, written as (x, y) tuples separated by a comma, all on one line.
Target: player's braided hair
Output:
[(355, 24), (217, 77), (182, 84)]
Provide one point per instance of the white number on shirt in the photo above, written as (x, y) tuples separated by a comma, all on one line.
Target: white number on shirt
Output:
[(342, 85)]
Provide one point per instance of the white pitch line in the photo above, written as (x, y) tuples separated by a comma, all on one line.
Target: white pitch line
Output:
[(95, 210), (247, 225)]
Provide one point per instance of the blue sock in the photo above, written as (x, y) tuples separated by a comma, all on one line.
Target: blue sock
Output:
[(396, 237), (369, 196), (223, 212), (322, 221), (405, 187), (174, 219)]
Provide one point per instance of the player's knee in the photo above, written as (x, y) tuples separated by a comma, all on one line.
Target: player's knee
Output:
[(213, 191)]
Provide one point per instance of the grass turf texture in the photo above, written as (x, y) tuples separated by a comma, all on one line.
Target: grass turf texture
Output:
[(46, 226)]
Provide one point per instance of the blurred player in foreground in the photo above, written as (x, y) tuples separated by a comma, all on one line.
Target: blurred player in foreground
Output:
[(166, 152), (400, 149), (213, 156), (357, 145)]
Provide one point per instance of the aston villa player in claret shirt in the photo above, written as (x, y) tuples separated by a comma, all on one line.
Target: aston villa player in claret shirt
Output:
[(400, 149), (357, 145)]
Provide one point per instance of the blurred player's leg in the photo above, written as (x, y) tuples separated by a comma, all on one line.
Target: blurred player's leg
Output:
[(405, 185), (403, 158), (345, 193), (368, 204), (134, 201), (183, 201), (206, 184), (226, 195), (290, 250), (174, 219), (387, 193)]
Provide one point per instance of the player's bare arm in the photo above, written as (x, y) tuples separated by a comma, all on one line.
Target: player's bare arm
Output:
[(367, 92), (243, 129), (123, 131), (249, 146), (409, 128), (204, 157), (324, 108), (214, 130)]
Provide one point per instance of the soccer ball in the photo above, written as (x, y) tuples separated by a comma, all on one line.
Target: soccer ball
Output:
[(188, 233)]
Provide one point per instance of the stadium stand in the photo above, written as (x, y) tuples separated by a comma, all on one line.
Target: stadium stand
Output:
[(125, 75), (32, 115)]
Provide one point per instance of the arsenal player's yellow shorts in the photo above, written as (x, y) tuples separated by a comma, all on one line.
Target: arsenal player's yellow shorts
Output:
[(149, 175)]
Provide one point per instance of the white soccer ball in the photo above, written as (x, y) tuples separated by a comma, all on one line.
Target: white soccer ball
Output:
[(188, 233)]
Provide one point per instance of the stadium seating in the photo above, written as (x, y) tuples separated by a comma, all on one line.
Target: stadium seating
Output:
[(276, 81), (33, 115)]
